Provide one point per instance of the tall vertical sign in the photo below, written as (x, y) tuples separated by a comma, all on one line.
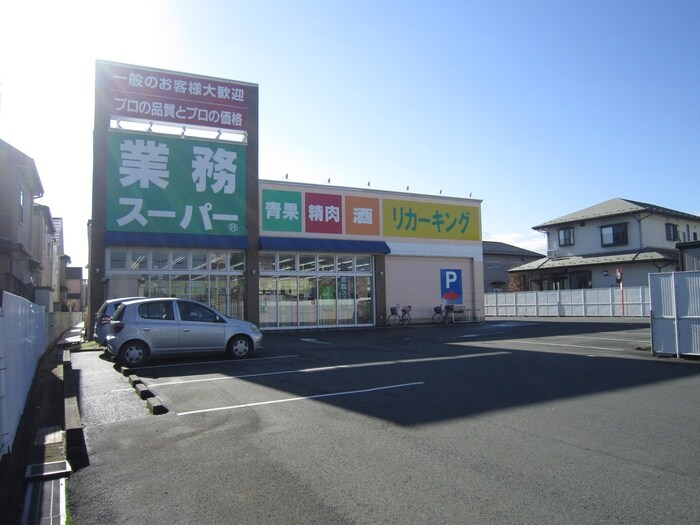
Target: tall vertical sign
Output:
[(163, 190)]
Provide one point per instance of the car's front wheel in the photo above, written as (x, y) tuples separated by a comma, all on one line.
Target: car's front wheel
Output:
[(239, 346), (133, 353)]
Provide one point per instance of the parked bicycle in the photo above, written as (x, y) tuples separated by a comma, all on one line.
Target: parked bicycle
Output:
[(444, 315), (394, 318)]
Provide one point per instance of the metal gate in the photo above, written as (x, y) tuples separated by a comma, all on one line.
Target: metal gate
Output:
[(675, 313)]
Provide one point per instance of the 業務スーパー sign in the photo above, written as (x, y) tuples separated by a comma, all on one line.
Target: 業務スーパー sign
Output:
[(161, 184)]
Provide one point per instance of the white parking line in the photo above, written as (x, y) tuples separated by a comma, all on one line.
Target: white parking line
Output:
[(249, 360), (130, 389), (536, 342), (605, 338), (484, 334), (311, 340), (329, 368), (287, 400), (512, 324)]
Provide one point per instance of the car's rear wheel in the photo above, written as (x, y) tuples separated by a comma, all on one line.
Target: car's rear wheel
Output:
[(133, 353), (239, 347)]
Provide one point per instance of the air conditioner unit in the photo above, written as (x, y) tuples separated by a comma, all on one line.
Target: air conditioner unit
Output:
[(552, 254)]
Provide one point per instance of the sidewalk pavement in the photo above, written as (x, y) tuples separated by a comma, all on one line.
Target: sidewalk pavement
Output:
[(57, 445)]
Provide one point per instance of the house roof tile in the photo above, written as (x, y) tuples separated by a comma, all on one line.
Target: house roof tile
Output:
[(612, 208)]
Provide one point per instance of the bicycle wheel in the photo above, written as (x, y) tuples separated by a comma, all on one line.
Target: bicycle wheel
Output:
[(438, 319), (392, 320), (406, 319)]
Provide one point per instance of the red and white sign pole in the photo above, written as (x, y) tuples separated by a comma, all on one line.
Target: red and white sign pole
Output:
[(618, 276)]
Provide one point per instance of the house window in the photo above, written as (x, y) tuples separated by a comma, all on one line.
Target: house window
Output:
[(671, 232), (580, 280), (613, 235), (566, 237), (492, 265)]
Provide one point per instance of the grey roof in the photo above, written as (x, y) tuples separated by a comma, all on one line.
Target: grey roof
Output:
[(612, 208), (501, 248), (20, 164), (567, 262)]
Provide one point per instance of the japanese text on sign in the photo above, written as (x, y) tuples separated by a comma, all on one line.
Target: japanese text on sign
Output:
[(362, 215), (173, 97), (164, 82), (159, 110), (281, 211), (430, 220), (168, 185), (407, 219), (323, 213)]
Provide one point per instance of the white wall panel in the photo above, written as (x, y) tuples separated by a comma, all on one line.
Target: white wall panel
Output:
[(415, 281), (469, 250), (675, 313)]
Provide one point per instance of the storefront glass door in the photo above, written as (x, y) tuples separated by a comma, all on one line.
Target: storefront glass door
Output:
[(268, 301), (364, 305), (326, 301), (287, 301), (308, 303), (346, 299), (324, 289)]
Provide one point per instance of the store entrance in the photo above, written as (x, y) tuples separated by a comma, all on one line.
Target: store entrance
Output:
[(315, 290)]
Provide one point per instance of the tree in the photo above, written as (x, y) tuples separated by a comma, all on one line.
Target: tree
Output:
[(516, 282)]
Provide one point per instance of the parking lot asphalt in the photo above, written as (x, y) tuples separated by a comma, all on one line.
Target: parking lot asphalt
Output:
[(505, 421)]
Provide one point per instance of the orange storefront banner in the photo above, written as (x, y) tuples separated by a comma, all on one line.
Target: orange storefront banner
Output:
[(361, 216)]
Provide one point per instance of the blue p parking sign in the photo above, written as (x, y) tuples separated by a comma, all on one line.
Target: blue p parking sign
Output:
[(451, 286)]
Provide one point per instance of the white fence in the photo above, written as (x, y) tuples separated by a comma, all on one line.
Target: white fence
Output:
[(592, 302), (26, 330), (675, 313)]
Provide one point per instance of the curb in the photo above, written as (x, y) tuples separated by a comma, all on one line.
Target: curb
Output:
[(76, 448), (153, 404), (45, 492), (74, 435), (64, 449)]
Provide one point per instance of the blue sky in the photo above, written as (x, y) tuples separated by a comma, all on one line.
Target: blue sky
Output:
[(538, 108)]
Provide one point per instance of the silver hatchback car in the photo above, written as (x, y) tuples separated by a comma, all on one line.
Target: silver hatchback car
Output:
[(104, 316), (153, 327)]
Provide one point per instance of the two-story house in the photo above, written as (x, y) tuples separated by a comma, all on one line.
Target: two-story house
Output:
[(62, 262), (44, 254), (500, 257), (689, 253), (32, 260), (615, 240), (19, 186), (76, 288)]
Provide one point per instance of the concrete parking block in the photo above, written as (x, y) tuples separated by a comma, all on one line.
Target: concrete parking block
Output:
[(155, 407), (143, 391)]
